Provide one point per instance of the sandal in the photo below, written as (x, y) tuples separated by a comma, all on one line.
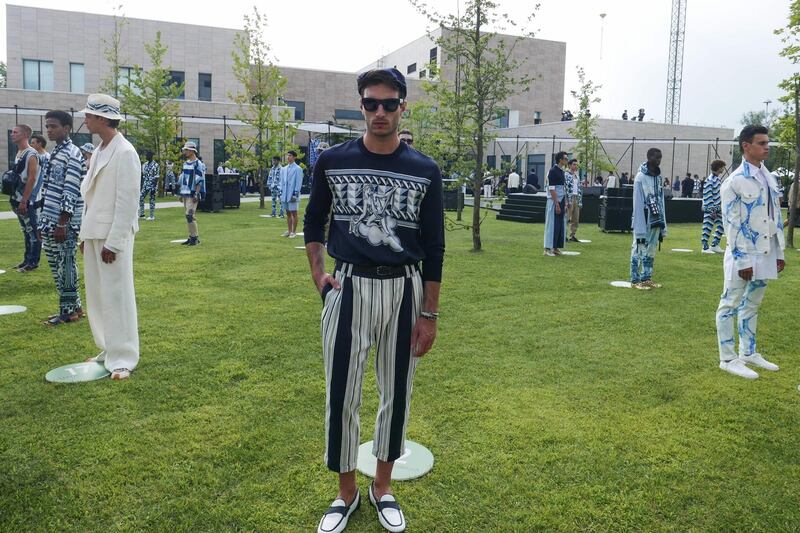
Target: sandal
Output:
[(57, 320), (119, 374), (79, 312)]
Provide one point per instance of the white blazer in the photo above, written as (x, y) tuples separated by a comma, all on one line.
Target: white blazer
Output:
[(111, 195)]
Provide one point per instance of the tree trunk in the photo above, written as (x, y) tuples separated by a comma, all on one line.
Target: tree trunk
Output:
[(478, 180), (793, 204), (261, 191)]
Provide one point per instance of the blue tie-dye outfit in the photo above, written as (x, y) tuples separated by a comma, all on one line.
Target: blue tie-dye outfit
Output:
[(649, 224), (752, 218)]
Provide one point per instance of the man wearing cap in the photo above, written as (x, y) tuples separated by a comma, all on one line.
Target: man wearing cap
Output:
[(192, 187), (60, 218), (110, 192), (387, 216), (150, 172), (87, 149), (291, 181)]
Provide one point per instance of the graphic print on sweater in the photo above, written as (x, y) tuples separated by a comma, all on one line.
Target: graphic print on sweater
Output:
[(376, 202)]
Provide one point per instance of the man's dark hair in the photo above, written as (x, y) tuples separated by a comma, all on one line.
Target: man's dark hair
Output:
[(573, 160), (40, 138), (63, 118), (382, 76), (717, 164), (112, 123), (560, 156), (276, 158), (406, 132), (292, 153), (748, 132), (652, 151)]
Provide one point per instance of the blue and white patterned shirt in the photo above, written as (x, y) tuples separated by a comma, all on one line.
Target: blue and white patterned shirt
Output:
[(150, 175), (711, 197), (274, 180), (61, 189)]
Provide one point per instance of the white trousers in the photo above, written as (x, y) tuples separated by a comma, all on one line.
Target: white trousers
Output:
[(111, 304)]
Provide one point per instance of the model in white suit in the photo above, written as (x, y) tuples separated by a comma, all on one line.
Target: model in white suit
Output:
[(111, 200)]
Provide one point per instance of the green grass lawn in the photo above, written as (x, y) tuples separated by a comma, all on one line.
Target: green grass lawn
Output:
[(551, 401)]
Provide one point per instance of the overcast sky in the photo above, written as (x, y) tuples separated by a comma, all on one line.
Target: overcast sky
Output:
[(731, 62)]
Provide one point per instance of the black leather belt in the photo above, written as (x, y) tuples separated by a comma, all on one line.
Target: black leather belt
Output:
[(376, 271)]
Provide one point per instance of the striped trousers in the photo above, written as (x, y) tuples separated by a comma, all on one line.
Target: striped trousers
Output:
[(64, 267), (363, 313), (709, 222)]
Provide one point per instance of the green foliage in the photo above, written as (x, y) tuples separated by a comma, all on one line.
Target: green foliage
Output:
[(151, 100), (591, 158), (271, 133), (485, 74), (113, 53), (551, 401), (760, 118), (790, 122)]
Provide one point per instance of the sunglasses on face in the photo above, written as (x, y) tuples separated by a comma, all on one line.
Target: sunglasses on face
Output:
[(390, 105), (407, 140)]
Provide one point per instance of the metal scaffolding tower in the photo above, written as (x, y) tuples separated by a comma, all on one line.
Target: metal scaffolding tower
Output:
[(677, 31)]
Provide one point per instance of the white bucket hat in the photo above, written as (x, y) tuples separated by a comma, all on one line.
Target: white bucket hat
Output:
[(190, 145), (103, 105)]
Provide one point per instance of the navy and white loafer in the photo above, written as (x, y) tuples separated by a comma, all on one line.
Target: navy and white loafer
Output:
[(335, 518), (389, 514)]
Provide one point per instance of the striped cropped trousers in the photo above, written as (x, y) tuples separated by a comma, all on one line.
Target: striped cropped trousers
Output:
[(363, 313)]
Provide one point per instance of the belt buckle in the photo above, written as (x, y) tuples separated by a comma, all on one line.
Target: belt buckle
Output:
[(383, 270)]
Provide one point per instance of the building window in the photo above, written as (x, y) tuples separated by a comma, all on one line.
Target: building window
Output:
[(37, 75), (299, 108), (76, 78), (204, 87), (537, 117), (433, 54), (491, 161), (125, 76), (411, 68), (347, 114), (422, 73), (502, 118), (178, 77)]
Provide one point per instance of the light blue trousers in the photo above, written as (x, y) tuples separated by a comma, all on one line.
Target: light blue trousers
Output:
[(643, 255), (740, 300)]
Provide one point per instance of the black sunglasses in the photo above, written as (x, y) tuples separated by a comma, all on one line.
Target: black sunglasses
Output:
[(407, 140), (390, 105)]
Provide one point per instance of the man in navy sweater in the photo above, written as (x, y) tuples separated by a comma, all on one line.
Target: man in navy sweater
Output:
[(387, 216)]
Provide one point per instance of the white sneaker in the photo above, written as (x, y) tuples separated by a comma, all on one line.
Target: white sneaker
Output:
[(738, 368), (151, 218), (285, 234), (717, 250), (335, 518), (292, 235), (757, 360), (708, 251)]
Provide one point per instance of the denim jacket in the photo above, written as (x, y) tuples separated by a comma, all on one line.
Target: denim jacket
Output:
[(745, 214)]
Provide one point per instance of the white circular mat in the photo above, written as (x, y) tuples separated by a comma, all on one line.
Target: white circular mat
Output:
[(621, 284)]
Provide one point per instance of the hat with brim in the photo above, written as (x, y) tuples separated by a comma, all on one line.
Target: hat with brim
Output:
[(190, 146), (103, 105), (88, 147)]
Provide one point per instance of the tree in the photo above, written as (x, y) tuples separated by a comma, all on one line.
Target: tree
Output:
[(790, 122), (262, 90), (3, 75), (113, 53), (151, 99), (760, 118), (486, 74), (587, 150)]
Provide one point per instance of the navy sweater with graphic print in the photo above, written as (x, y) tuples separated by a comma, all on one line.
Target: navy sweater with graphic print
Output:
[(387, 208)]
